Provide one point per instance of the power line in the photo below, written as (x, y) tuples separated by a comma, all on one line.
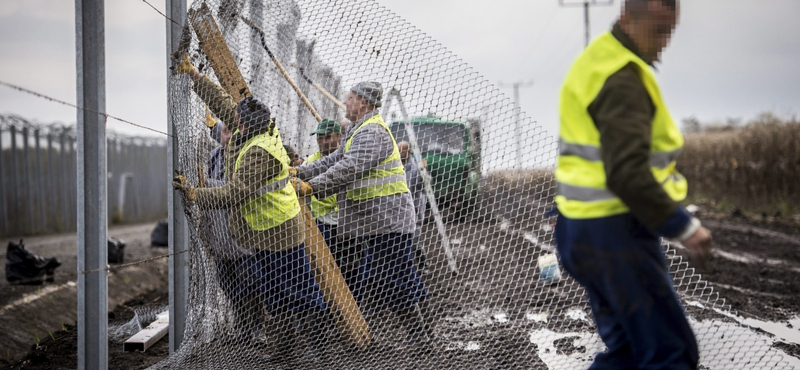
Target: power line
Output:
[(43, 96), (586, 4)]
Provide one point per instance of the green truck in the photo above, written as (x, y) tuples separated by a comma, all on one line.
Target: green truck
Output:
[(452, 151)]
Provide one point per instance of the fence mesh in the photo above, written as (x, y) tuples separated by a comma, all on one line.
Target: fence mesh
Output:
[(474, 284)]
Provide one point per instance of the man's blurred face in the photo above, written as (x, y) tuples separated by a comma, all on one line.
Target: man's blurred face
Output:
[(651, 30), (328, 143), (225, 136), (356, 107)]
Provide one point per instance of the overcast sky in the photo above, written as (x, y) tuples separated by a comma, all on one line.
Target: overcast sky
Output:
[(728, 59)]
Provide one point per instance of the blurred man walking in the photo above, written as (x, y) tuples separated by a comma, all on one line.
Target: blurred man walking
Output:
[(619, 191)]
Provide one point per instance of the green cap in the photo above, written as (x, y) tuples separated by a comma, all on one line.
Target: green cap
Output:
[(327, 126)]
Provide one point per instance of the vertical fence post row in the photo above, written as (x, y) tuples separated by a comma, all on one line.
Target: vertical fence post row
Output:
[(178, 236), (92, 176)]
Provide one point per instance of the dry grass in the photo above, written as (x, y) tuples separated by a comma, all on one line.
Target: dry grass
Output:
[(755, 168)]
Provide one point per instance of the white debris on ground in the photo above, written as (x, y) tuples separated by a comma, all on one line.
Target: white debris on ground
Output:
[(480, 318), (585, 345), (576, 314), (537, 316)]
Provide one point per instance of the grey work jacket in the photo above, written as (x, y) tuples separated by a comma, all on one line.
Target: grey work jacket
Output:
[(331, 174)]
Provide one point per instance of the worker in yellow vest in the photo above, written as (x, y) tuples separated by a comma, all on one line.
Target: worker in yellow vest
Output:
[(376, 210), (619, 192), (263, 214), (326, 210)]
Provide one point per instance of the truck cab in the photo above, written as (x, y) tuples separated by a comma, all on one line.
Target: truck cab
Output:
[(452, 151)]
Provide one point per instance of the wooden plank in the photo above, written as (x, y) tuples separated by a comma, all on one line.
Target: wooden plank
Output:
[(349, 320), (219, 55)]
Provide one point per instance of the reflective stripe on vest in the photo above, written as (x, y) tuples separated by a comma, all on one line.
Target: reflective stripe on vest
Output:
[(388, 178), (321, 207), (276, 201), (592, 153), (582, 191)]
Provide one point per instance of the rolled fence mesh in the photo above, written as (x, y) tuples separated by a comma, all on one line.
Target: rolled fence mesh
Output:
[(436, 256)]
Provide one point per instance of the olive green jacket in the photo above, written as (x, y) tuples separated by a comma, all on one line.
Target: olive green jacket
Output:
[(256, 167), (623, 113)]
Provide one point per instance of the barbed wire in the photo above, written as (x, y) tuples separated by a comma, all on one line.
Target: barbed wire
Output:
[(43, 96), (162, 14), (108, 268)]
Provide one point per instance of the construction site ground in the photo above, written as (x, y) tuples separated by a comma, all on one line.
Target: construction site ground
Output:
[(755, 268)]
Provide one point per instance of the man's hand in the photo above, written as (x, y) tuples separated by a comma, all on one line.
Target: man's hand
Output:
[(292, 172), (301, 187), (699, 246), (186, 66), (179, 183)]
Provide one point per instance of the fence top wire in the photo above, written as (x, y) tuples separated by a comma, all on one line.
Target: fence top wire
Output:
[(8, 121), (109, 268), (46, 97)]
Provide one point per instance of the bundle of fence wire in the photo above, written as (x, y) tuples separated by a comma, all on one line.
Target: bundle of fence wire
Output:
[(416, 250)]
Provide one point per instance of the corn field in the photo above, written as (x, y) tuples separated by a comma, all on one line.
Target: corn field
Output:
[(755, 167)]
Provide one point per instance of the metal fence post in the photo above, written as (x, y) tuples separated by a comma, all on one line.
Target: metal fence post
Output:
[(178, 235), (41, 174), (92, 203), (15, 206), (50, 191), (3, 207), (26, 180)]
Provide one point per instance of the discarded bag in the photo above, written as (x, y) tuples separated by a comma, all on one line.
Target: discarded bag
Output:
[(26, 268), (116, 250), (158, 238)]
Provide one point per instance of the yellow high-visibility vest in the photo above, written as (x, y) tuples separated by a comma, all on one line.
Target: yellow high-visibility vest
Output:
[(582, 191), (388, 178), (276, 201), (324, 206)]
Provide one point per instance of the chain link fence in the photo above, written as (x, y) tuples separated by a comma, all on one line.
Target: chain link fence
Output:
[(471, 283)]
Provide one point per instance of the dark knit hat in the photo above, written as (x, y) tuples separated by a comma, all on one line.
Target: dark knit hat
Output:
[(253, 113)]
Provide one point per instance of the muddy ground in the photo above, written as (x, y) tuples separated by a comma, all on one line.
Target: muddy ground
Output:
[(32, 314), (486, 315)]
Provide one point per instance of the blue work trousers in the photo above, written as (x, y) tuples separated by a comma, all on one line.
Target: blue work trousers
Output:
[(387, 276), (345, 253), (283, 280), (622, 266)]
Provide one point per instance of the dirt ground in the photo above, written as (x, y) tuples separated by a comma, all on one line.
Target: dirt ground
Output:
[(484, 315)]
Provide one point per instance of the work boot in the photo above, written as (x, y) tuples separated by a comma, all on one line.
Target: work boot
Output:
[(416, 331)]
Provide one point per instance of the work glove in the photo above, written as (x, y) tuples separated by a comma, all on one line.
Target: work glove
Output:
[(179, 183), (185, 65), (301, 187), (292, 172)]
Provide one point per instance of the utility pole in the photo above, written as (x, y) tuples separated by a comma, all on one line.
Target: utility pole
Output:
[(518, 123), (586, 4)]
